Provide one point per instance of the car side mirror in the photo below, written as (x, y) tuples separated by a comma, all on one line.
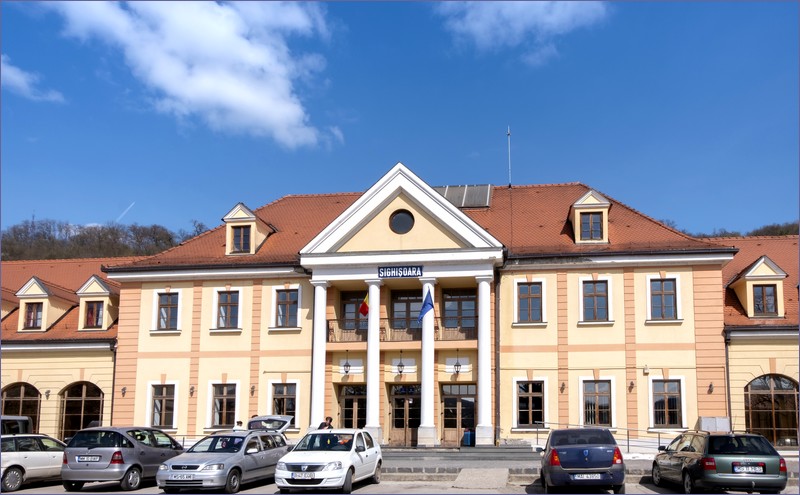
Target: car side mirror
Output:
[(538, 450), (252, 450), (662, 448), (360, 448)]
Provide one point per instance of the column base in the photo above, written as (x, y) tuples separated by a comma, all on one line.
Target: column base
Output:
[(376, 432), (426, 436), (484, 435)]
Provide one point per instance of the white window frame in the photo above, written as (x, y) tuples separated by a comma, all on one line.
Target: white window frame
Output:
[(210, 402), (515, 413), (515, 321), (175, 402), (215, 311), (607, 279), (606, 378), (678, 305), (651, 411), (270, 387), (154, 323), (273, 318)]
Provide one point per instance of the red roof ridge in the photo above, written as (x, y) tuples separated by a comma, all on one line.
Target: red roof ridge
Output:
[(75, 260), (754, 237), (529, 186)]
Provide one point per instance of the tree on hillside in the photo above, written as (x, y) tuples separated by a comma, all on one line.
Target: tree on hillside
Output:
[(788, 228)]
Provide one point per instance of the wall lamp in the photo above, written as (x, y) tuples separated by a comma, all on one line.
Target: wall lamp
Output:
[(191, 391), (252, 390), (563, 387), (645, 370), (124, 391), (346, 362), (457, 366), (400, 366), (631, 385), (711, 388), (47, 394)]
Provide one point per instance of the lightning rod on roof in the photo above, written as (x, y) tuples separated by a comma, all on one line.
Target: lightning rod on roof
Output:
[(508, 134)]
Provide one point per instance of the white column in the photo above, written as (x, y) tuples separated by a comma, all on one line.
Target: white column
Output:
[(484, 430), (320, 333), (426, 434), (373, 370)]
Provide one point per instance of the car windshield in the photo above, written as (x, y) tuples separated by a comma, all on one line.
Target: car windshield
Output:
[(740, 445), (218, 443), (326, 441), (563, 438)]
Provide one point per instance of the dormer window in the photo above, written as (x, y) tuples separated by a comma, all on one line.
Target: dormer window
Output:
[(94, 314), (33, 316), (592, 226), (764, 300), (241, 239)]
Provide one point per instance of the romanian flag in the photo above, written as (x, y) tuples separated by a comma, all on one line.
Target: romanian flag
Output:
[(364, 308)]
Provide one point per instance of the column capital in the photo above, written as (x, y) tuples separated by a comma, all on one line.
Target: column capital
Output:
[(484, 278), (320, 283), (374, 281), (428, 280)]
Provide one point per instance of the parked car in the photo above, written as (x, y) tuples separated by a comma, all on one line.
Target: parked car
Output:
[(224, 460), (277, 422), (720, 461), (15, 424), (330, 459), (579, 457), (124, 454), (29, 457)]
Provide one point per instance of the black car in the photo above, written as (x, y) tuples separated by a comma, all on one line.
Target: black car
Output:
[(580, 457), (720, 461)]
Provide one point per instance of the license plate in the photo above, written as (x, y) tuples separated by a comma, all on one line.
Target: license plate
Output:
[(587, 476), (88, 458), (181, 477), (748, 469), (303, 476)]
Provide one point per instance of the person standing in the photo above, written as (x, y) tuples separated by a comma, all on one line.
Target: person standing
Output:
[(327, 424)]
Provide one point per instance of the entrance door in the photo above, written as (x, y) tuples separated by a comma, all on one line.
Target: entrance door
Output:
[(458, 411), (353, 404), (405, 415)]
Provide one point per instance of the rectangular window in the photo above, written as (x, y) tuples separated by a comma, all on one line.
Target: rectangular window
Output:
[(530, 404), (94, 314), (241, 239), (592, 226), (228, 309), (764, 300), (284, 400), (163, 405), (33, 315), (286, 308), (224, 406), (529, 302), (597, 403), (667, 404), (460, 309), (168, 311), (595, 301), (662, 300)]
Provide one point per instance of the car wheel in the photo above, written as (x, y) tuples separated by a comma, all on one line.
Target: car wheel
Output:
[(234, 482), (618, 488), (347, 486), (12, 479), (688, 484), (376, 476), (132, 480), (656, 474), (73, 486)]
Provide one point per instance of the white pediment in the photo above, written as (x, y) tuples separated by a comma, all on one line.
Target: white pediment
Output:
[(239, 213), (764, 269), (33, 288), (95, 286), (401, 182), (592, 199)]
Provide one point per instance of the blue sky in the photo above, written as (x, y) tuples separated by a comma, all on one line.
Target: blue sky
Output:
[(161, 113)]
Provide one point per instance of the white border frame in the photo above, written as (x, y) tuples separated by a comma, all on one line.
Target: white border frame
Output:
[(175, 404), (210, 401), (607, 378), (269, 408), (273, 317), (515, 411), (608, 280), (515, 316), (650, 410), (215, 308), (154, 322), (678, 306)]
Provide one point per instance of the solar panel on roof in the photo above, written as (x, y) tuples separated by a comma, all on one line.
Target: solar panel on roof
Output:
[(468, 196)]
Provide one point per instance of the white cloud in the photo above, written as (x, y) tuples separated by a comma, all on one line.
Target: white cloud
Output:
[(24, 83), (493, 26), (228, 64)]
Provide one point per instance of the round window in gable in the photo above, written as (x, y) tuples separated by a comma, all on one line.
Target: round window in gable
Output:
[(401, 221)]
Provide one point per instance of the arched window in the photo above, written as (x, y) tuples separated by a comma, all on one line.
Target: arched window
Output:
[(22, 399), (81, 403), (770, 403)]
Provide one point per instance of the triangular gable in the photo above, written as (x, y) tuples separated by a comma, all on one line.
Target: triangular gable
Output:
[(33, 288), (240, 212), (400, 181), (592, 199), (762, 269), (95, 286)]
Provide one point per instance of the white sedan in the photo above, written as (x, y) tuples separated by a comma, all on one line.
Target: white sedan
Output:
[(332, 459), (29, 457)]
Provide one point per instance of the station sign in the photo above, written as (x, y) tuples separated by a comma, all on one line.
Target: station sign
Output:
[(399, 271)]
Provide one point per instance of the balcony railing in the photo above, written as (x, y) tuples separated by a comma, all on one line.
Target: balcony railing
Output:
[(403, 330)]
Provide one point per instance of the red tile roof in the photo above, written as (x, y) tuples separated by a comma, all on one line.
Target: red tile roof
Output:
[(528, 220), (783, 251)]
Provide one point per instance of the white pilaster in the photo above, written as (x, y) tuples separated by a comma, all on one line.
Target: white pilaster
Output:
[(373, 370), (484, 431), (320, 333), (426, 434)]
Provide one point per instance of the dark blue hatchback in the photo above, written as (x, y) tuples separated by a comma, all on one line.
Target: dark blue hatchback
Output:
[(579, 457)]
